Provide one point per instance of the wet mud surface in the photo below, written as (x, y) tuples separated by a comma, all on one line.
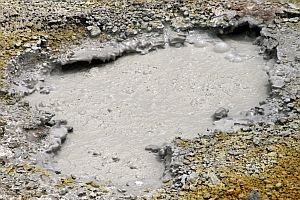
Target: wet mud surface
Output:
[(118, 109)]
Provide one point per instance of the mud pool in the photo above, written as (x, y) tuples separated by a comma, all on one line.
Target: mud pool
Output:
[(119, 108)]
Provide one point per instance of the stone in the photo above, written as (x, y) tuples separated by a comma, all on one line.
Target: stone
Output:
[(176, 39), (294, 19), (213, 178), (81, 193), (162, 152), (133, 167), (272, 154), (94, 31), (61, 122), (139, 183), (235, 152), (60, 133), (57, 136), (256, 140), (54, 146), (70, 129), (51, 122), (63, 191), (45, 91), (121, 190), (44, 43), (254, 195), (152, 148), (206, 194), (277, 82), (27, 45), (1, 131), (5, 154), (278, 185), (221, 113), (116, 159), (95, 154)]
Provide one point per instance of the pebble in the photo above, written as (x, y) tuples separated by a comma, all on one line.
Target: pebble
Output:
[(152, 148), (116, 159), (139, 183), (254, 195), (213, 178), (5, 154), (278, 185), (70, 129), (256, 140), (94, 31), (96, 154), (176, 39), (62, 192), (133, 167), (277, 82), (221, 113), (121, 190)]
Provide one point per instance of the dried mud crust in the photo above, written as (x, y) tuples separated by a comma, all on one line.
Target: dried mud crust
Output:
[(261, 160)]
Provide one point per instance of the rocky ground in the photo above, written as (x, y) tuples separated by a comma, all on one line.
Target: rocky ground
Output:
[(258, 159)]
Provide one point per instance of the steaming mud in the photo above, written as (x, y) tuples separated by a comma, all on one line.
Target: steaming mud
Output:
[(118, 108)]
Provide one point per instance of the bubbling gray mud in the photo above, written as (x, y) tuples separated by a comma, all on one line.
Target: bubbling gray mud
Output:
[(118, 109)]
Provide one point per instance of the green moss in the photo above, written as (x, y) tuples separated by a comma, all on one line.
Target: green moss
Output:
[(11, 44), (297, 2), (275, 180), (65, 182), (23, 169)]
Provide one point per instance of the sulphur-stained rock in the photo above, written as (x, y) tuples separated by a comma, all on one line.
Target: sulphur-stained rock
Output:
[(213, 178)]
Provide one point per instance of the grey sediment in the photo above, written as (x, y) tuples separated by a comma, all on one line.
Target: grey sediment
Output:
[(122, 106)]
